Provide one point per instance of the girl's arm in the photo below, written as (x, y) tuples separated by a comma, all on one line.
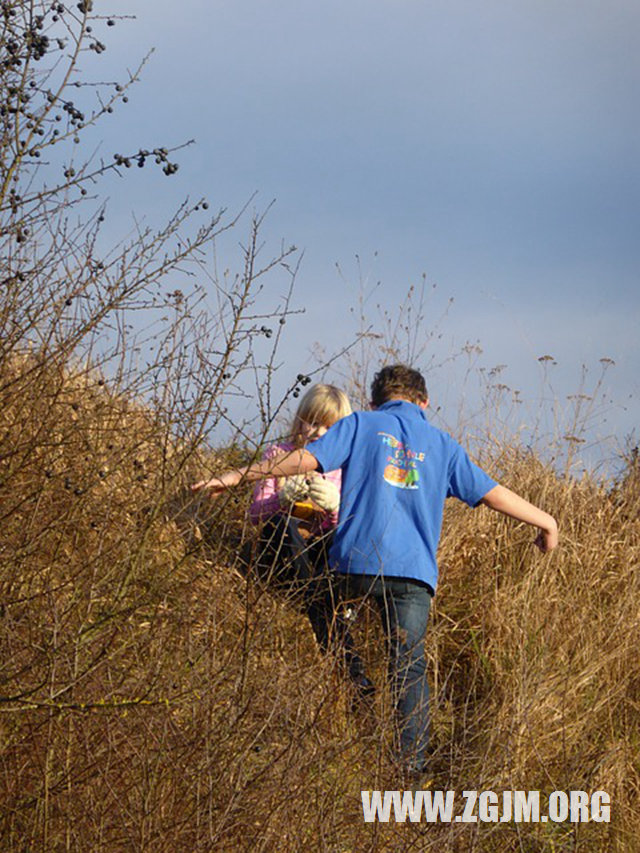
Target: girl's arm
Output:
[(509, 503)]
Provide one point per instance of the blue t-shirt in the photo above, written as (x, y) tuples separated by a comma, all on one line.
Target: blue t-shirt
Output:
[(397, 471)]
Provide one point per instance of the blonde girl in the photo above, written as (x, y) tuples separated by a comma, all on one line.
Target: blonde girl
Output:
[(297, 516), (315, 499)]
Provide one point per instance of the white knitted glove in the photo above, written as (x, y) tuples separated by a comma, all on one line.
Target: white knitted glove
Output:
[(325, 494), (294, 489)]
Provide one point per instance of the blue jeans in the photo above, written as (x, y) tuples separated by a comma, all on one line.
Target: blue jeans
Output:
[(404, 607)]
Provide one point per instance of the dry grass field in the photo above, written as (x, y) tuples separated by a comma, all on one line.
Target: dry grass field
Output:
[(153, 698)]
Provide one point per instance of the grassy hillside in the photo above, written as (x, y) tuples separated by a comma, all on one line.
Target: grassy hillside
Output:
[(154, 699)]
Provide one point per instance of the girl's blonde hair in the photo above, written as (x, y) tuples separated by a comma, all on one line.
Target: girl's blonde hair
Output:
[(322, 405)]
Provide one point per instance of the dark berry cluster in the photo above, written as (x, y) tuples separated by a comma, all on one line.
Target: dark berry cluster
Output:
[(12, 46), (161, 155), (26, 44), (37, 43), (14, 200), (17, 278), (76, 117), (301, 379)]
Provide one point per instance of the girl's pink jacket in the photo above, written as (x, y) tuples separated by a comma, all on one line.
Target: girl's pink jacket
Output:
[(265, 495)]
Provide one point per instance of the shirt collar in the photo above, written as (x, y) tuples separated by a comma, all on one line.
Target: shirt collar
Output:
[(407, 408)]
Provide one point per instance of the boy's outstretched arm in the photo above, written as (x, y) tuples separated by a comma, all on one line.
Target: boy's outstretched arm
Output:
[(285, 465), (509, 503)]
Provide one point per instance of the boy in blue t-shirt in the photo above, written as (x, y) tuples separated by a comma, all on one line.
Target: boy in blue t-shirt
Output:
[(397, 471)]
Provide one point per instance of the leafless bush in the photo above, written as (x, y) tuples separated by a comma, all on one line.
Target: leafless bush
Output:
[(113, 368)]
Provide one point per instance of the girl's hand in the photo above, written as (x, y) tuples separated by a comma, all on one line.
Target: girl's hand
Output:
[(325, 494), (294, 489)]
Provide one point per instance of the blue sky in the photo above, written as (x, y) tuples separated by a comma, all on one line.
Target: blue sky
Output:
[(492, 146)]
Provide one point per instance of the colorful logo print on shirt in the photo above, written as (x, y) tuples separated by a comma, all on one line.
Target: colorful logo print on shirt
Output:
[(401, 469)]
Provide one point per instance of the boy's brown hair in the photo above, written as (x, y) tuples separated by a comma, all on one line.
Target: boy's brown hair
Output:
[(398, 382)]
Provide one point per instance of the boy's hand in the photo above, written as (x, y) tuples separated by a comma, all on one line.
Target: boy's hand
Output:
[(325, 494), (546, 540), (217, 485), (504, 500)]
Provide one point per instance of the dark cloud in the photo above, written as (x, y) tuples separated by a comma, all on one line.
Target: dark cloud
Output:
[(491, 145)]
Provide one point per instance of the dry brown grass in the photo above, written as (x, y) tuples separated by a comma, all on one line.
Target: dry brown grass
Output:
[(151, 698)]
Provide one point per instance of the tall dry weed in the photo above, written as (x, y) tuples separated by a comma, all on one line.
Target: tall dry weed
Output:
[(153, 697)]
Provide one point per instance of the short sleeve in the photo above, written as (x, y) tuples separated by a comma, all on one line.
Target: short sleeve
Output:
[(333, 448), (467, 481)]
